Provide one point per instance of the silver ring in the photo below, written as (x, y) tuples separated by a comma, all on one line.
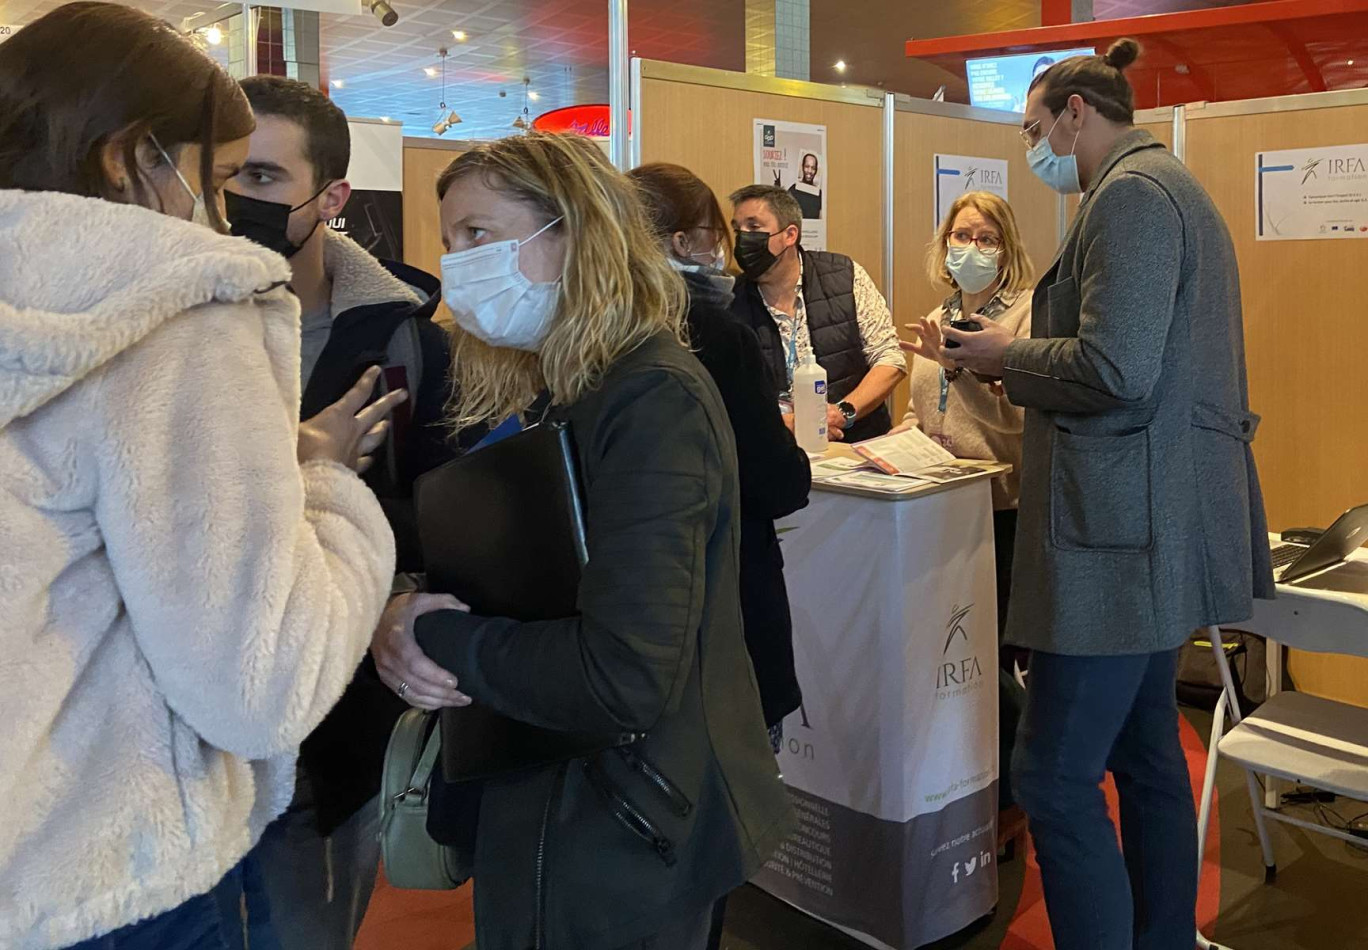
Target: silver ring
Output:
[(403, 689)]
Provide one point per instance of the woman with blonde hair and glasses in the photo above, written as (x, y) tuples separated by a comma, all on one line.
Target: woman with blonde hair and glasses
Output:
[(978, 254), (558, 285)]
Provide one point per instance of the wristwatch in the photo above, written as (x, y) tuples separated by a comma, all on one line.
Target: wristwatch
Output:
[(849, 412)]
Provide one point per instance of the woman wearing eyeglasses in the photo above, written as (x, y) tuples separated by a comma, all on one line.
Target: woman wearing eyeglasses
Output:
[(978, 253)]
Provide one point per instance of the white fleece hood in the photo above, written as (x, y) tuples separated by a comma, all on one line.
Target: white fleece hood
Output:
[(73, 298)]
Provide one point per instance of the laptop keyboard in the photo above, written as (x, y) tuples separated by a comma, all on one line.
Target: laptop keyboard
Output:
[(1285, 554)]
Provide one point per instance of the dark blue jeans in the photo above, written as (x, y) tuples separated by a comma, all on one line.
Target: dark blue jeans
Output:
[(212, 921), (1086, 715)]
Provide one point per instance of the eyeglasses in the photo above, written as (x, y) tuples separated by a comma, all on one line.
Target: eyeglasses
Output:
[(987, 243), (1031, 134)]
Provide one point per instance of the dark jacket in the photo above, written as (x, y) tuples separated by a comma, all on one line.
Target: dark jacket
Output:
[(1140, 502), (657, 649), (342, 759), (775, 479), (829, 295)]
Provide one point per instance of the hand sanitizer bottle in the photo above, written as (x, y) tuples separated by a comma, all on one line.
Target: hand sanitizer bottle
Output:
[(810, 406)]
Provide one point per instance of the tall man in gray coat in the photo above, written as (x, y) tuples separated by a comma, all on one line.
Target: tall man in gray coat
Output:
[(1141, 516)]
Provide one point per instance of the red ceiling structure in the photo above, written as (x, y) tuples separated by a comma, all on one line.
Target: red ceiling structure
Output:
[(1239, 52)]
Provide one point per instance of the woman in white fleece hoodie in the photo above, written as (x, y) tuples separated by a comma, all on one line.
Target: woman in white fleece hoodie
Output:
[(188, 577)]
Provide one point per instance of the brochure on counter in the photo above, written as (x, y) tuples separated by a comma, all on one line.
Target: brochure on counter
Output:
[(924, 466)]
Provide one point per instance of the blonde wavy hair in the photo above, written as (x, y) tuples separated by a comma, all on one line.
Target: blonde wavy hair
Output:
[(616, 288), (1017, 273)]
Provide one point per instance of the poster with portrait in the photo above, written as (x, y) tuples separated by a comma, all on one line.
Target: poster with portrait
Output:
[(1309, 194), (374, 216), (953, 175), (792, 156)]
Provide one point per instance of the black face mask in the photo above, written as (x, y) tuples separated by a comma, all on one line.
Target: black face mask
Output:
[(753, 253), (266, 222)]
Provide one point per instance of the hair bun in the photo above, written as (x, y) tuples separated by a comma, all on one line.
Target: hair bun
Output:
[(1122, 53)]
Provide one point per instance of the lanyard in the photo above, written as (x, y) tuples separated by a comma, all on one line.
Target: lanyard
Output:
[(944, 389), (792, 358)]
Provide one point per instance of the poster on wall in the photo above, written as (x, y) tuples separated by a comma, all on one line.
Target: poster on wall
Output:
[(792, 156), (953, 175), (374, 215), (1308, 194)]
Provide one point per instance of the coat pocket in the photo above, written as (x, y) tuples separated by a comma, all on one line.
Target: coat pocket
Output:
[(1064, 303), (1100, 491)]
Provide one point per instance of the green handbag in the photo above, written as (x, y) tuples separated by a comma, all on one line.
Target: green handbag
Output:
[(412, 859)]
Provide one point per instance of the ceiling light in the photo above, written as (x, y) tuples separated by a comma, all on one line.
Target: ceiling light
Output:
[(446, 122), (1349, 63), (840, 66), (384, 118), (338, 83), (534, 96), (215, 36), (458, 35), (383, 12), (521, 124), (429, 72)]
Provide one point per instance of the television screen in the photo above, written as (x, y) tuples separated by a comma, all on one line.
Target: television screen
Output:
[(1001, 82)]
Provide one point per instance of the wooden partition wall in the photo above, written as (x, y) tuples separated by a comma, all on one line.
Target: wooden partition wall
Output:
[(703, 119), (424, 160), (1305, 331)]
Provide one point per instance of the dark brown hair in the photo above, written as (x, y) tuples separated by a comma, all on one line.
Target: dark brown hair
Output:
[(327, 139), (678, 200), (87, 72), (1099, 80), (785, 207)]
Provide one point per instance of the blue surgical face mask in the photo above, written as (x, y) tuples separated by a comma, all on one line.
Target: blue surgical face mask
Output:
[(973, 270), (1059, 172)]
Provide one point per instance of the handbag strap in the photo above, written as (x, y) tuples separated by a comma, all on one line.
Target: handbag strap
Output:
[(423, 770)]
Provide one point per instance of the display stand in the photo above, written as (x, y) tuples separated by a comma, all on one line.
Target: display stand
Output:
[(892, 762)]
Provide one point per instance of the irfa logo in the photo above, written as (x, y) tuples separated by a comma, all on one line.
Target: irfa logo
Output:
[(957, 676), (1310, 168), (768, 135), (956, 626)]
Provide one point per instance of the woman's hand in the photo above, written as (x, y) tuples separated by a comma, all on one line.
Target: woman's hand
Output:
[(928, 343), (402, 664), (346, 432)]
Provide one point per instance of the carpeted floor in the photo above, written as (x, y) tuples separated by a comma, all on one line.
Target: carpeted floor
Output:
[(1319, 901)]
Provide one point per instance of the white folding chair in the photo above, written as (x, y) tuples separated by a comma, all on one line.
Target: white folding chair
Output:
[(1293, 736)]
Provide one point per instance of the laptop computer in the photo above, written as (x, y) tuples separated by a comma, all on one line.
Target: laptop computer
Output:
[(1293, 562)]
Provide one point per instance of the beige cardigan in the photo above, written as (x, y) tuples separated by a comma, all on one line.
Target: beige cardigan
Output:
[(978, 423)]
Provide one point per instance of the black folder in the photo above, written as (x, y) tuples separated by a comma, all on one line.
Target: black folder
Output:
[(502, 529)]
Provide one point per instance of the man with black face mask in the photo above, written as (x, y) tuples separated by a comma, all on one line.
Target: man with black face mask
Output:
[(800, 302), (318, 861)]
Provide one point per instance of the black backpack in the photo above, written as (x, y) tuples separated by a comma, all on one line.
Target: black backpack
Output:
[(1199, 678)]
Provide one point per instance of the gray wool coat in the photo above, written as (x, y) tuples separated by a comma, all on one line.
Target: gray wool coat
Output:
[(1141, 515)]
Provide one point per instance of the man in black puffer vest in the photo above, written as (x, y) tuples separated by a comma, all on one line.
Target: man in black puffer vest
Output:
[(800, 302)]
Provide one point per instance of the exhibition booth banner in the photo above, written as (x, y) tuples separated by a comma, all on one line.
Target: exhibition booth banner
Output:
[(956, 174), (792, 156), (1312, 193), (374, 215), (892, 761)]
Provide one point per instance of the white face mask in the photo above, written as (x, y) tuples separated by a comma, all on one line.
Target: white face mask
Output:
[(493, 300), (199, 214)]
